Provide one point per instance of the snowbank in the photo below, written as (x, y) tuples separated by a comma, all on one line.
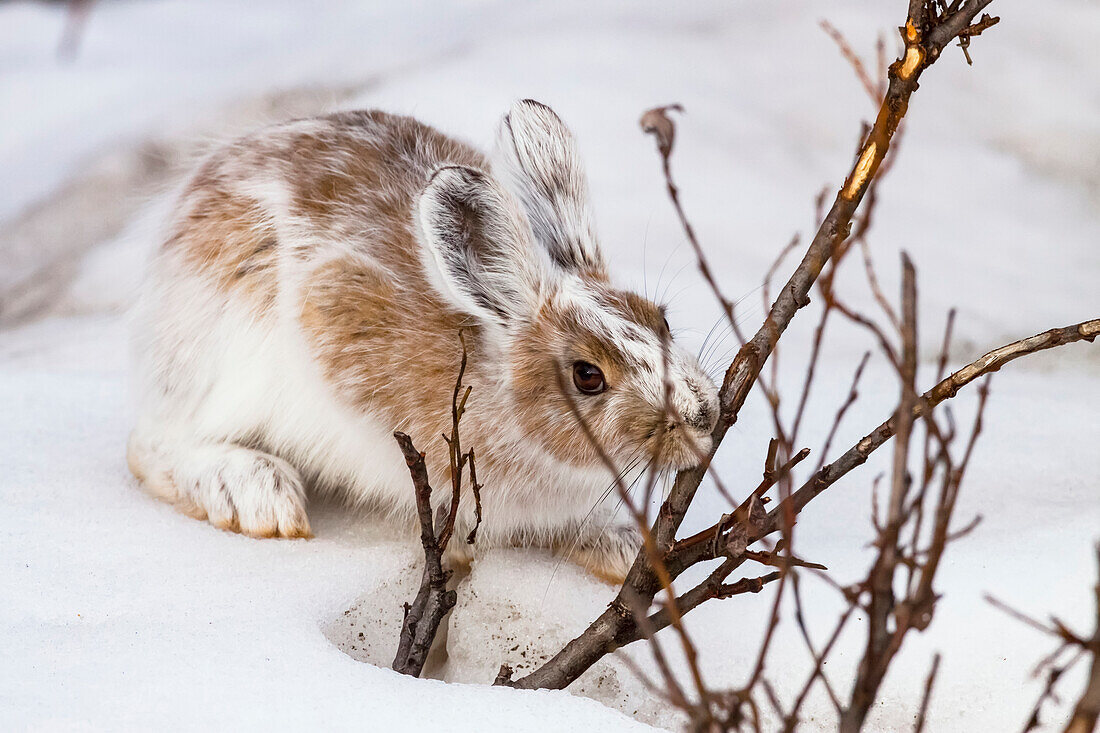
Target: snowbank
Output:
[(120, 613)]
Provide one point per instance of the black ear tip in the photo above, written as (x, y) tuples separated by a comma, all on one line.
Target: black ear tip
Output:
[(452, 175), (535, 105)]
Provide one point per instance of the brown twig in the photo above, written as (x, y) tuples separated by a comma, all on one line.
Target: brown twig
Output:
[(433, 601), (853, 395), (881, 610), (657, 123), (818, 671), (927, 696), (852, 58), (475, 487), (456, 457), (880, 581)]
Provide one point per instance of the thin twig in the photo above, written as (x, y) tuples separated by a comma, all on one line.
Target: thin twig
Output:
[(433, 601), (927, 696), (852, 58)]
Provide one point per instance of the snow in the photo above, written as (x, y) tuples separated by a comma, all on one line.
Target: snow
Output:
[(119, 612)]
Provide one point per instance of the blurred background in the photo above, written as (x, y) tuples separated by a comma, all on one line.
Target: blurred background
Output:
[(104, 106), (105, 103)]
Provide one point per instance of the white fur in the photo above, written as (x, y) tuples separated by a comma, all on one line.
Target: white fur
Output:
[(226, 390), (502, 281), (537, 158), (237, 417)]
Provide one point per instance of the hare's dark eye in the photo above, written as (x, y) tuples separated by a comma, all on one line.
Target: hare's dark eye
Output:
[(588, 378), (668, 328)]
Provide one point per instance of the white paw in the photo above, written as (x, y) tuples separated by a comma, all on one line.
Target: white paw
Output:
[(253, 493), (235, 488)]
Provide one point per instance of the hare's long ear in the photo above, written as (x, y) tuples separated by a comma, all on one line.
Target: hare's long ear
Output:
[(537, 158), (477, 247)]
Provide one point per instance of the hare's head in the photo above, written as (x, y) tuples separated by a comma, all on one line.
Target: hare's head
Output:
[(517, 251)]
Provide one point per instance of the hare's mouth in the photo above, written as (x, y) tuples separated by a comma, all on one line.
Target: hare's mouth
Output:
[(680, 446)]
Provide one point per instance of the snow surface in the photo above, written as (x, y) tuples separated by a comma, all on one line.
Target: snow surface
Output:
[(120, 613)]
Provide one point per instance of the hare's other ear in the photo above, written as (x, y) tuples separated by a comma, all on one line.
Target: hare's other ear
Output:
[(537, 157), (477, 247)]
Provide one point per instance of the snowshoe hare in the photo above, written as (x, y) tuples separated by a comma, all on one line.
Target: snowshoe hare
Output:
[(307, 302)]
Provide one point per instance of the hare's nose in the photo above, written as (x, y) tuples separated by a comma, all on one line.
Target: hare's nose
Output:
[(703, 419)]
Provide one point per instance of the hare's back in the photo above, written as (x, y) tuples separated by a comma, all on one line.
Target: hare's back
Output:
[(309, 190), (290, 285)]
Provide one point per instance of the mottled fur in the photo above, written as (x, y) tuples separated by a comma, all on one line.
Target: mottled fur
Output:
[(307, 302)]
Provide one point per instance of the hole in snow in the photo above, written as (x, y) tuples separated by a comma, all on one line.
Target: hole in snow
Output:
[(514, 606)]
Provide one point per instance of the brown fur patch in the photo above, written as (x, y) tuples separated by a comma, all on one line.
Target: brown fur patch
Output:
[(386, 340), (387, 348), (229, 525), (228, 238), (370, 164), (633, 307)]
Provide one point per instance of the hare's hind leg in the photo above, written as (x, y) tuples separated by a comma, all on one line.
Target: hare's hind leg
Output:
[(233, 487)]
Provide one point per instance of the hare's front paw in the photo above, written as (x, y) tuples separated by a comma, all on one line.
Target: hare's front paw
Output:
[(609, 554), (255, 494), (235, 488)]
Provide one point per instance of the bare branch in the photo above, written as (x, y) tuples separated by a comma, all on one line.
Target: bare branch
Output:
[(927, 696), (1086, 713), (475, 487), (657, 122), (852, 58), (433, 601), (880, 582), (944, 390)]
